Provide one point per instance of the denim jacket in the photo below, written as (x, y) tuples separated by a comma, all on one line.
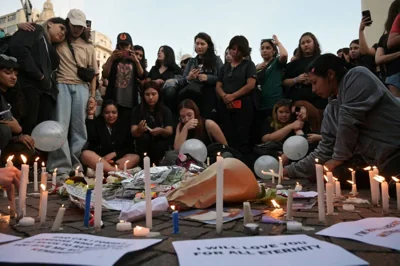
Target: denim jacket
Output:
[(193, 63)]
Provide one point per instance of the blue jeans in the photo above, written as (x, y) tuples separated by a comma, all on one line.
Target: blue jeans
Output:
[(71, 114)]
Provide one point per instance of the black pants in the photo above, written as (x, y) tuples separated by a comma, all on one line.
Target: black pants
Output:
[(5, 136), (38, 108), (260, 118), (236, 125), (155, 147), (125, 114)]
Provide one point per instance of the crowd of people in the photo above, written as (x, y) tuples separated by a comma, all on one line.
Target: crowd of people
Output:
[(345, 105)]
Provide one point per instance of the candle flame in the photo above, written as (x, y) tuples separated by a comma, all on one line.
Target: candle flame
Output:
[(116, 168), (154, 165), (395, 179), (173, 207), (326, 168), (367, 168), (334, 178), (37, 159), (351, 169), (272, 171), (62, 205), (10, 158), (121, 221), (43, 186), (297, 183), (218, 154), (276, 205), (374, 167), (326, 178), (42, 164), (8, 207), (280, 158), (23, 158), (316, 160), (77, 168), (351, 182), (145, 154), (379, 178), (139, 227), (127, 161), (55, 171), (100, 159)]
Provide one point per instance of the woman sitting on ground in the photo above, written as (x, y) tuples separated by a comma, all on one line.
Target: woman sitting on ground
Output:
[(193, 126), (109, 139)]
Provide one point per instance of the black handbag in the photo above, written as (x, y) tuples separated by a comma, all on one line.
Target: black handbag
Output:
[(193, 88), (86, 74)]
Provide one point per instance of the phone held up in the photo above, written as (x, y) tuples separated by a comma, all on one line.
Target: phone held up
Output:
[(367, 14)]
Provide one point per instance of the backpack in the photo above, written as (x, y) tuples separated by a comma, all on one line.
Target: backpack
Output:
[(4, 44)]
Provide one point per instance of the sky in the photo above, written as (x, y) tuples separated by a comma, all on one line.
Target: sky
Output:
[(153, 23)]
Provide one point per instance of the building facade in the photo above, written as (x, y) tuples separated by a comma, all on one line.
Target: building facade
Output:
[(379, 10), (103, 47), (10, 21)]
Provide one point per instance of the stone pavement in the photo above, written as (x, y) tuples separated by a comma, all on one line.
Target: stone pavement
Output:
[(164, 253)]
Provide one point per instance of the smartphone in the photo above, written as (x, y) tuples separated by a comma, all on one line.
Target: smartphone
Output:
[(126, 54), (237, 104), (88, 23), (367, 14)]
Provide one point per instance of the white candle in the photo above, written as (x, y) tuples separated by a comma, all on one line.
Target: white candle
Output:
[(289, 205), (124, 226), (375, 170), (280, 173), (385, 193), (26, 221), (35, 176), (397, 191), (373, 184), (59, 219), (43, 204), (219, 193), (23, 183), (353, 187), (77, 170), (330, 177), (208, 161), (147, 191), (329, 198), (320, 187), (141, 231), (54, 179), (43, 167), (294, 226), (298, 187), (376, 186), (353, 175), (125, 165), (271, 173), (338, 189), (247, 214), (98, 190), (12, 190)]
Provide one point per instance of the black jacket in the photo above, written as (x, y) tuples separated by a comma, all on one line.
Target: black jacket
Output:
[(36, 57), (101, 142)]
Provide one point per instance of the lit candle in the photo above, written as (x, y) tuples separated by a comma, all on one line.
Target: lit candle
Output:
[(11, 196), (330, 178), (23, 183), (77, 170), (353, 187), (329, 196), (338, 188), (294, 226), (219, 193), (98, 188), (298, 187), (278, 210), (116, 168), (35, 176), (88, 199), (271, 173), (26, 221), (124, 226), (375, 170), (373, 184), (289, 205), (280, 173), (397, 191), (125, 165), (385, 193), (54, 179), (59, 219), (175, 220), (320, 187), (147, 191), (141, 231), (353, 175), (43, 204), (43, 167)]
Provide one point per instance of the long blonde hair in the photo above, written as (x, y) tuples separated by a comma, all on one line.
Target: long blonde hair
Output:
[(275, 123), (55, 20)]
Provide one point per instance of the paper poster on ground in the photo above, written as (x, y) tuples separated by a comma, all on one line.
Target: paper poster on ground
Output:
[(71, 249), (208, 216), (7, 238), (383, 231), (263, 250)]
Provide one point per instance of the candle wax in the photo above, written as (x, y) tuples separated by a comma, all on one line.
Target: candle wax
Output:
[(124, 226), (26, 221), (141, 231), (59, 219), (294, 226)]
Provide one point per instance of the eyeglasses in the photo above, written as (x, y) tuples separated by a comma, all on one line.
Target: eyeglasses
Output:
[(284, 101), (5, 57)]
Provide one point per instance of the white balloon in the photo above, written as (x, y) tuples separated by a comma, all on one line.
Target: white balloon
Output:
[(195, 148), (295, 147), (49, 136), (265, 163)]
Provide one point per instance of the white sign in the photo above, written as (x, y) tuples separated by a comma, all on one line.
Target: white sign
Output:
[(273, 250), (7, 238), (383, 232), (71, 249)]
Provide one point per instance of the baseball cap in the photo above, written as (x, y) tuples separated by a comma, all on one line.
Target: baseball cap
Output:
[(77, 17), (124, 37)]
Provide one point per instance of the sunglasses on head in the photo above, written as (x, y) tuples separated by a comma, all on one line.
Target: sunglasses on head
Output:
[(267, 40), (6, 57)]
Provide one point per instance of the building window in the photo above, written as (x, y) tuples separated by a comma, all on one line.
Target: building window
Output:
[(3, 20), (11, 17), (11, 29)]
